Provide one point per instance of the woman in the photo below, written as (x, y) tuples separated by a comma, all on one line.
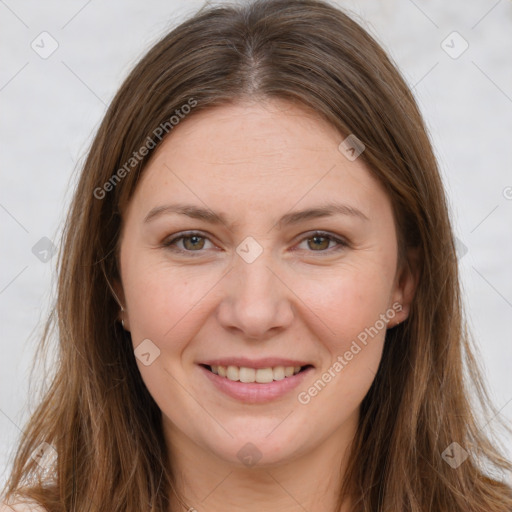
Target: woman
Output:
[(258, 303)]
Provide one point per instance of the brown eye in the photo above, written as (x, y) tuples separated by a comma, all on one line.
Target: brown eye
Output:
[(318, 242), (321, 242), (193, 242), (187, 243)]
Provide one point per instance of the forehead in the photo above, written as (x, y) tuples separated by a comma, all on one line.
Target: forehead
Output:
[(248, 134), (258, 156)]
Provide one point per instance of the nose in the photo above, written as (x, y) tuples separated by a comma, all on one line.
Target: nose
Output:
[(256, 302)]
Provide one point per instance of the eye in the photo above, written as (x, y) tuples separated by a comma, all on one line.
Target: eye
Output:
[(194, 242), (191, 242), (320, 241)]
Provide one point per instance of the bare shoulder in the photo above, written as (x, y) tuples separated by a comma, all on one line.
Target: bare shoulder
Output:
[(24, 506)]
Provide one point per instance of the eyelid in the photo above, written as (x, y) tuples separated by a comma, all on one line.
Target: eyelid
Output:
[(341, 241), (169, 241)]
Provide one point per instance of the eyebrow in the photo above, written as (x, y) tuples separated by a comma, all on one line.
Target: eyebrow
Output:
[(325, 210)]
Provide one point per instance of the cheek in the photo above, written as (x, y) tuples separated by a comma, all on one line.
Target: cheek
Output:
[(346, 301), (165, 300), (350, 326)]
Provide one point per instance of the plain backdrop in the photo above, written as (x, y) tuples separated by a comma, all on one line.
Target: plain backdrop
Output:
[(455, 55)]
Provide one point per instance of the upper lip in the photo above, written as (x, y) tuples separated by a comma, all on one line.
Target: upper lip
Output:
[(266, 362)]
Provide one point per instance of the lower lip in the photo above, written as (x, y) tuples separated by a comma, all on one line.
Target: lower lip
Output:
[(253, 392)]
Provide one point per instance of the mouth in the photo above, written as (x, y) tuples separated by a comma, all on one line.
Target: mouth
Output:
[(250, 375), (257, 382)]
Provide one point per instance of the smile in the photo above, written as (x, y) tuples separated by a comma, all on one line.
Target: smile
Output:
[(259, 375), (255, 385)]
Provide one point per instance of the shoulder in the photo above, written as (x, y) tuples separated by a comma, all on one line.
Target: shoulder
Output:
[(21, 506)]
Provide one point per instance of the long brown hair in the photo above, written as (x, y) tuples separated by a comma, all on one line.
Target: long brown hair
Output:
[(97, 413)]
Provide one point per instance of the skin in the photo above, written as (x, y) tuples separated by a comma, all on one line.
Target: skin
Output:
[(301, 298)]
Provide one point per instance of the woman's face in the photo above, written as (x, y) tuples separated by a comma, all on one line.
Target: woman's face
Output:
[(220, 269)]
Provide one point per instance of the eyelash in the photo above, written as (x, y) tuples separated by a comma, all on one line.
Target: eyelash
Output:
[(322, 234)]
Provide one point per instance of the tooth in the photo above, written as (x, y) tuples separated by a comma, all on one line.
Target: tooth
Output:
[(264, 375), (232, 373), (278, 373), (247, 374), (260, 375), (288, 371)]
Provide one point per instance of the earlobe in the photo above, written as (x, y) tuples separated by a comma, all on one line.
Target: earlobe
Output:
[(406, 283)]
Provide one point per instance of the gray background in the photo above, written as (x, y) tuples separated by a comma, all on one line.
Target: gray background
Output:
[(50, 107)]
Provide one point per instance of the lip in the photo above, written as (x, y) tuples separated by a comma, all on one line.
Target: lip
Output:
[(253, 392), (266, 362)]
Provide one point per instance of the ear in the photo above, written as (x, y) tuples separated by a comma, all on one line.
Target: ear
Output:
[(406, 282), (119, 295)]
